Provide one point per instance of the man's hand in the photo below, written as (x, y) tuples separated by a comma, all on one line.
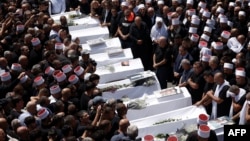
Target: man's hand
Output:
[(21, 75)]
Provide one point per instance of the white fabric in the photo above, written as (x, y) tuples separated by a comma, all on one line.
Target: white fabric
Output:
[(85, 22), (104, 59), (188, 115), (116, 71), (237, 98), (90, 33), (57, 6), (157, 32), (216, 94), (101, 48), (234, 45), (243, 114), (154, 104), (131, 92)]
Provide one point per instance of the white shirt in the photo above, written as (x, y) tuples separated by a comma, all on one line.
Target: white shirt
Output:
[(57, 6)]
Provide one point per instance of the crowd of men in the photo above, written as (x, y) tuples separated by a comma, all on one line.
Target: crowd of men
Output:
[(48, 83)]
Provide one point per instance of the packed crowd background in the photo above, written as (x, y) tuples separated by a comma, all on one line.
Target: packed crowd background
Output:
[(45, 95)]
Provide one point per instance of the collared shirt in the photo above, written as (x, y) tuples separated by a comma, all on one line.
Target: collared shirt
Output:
[(57, 6)]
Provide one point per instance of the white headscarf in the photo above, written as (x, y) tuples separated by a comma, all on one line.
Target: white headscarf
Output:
[(158, 32)]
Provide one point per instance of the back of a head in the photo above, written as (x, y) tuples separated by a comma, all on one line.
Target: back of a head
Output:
[(132, 131)]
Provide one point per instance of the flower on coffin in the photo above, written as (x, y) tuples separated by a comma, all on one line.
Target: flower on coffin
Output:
[(71, 23), (167, 120), (113, 88), (150, 81), (73, 16)]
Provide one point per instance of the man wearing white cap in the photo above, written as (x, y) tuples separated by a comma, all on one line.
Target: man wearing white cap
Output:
[(36, 54), (241, 22), (241, 79), (55, 92), (238, 96), (228, 71), (176, 28), (204, 133)]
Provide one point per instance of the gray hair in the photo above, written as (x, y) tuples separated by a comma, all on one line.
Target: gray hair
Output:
[(132, 131), (185, 61), (214, 59), (233, 88)]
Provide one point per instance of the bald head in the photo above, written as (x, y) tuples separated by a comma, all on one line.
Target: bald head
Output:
[(219, 78), (31, 107), (248, 96), (23, 132), (66, 92), (123, 125), (3, 124)]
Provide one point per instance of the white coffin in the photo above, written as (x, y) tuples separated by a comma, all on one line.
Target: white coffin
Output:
[(188, 115), (155, 105), (86, 34)]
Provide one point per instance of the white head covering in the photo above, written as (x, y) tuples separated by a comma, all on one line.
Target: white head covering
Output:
[(204, 131)]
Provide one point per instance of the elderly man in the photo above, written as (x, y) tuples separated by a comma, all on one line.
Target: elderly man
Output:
[(139, 34), (238, 96), (220, 102), (162, 62)]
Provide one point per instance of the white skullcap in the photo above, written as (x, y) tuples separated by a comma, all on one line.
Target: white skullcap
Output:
[(55, 89), (240, 72), (202, 44), (205, 58), (78, 70), (38, 80), (228, 65), (5, 76), (223, 20), (175, 21), (225, 34), (202, 119), (140, 6), (190, 2), (160, 2), (73, 79), (158, 19), (66, 68), (16, 67), (194, 37), (217, 45), (242, 13), (60, 76), (59, 46), (220, 10), (231, 4), (205, 37), (206, 13), (204, 131), (191, 12), (195, 21), (202, 4), (43, 113), (208, 29), (192, 30)]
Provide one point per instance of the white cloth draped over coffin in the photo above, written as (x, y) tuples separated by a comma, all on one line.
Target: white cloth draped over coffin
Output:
[(113, 43), (131, 92), (103, 59), (90, 33), (116, 71), (85, 22), (157, 105), (187, 115)]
